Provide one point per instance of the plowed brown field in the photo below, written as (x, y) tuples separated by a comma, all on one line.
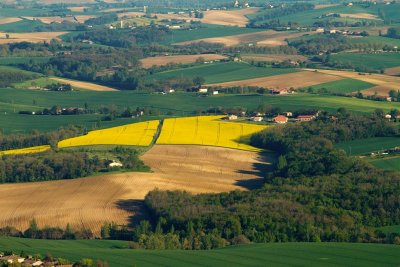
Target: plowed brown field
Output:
[(89, 202), (181, 59)]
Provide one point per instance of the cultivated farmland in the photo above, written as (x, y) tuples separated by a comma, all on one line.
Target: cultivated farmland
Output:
[(291, 80), (89, 202), (117, 253), (35, 37), (84, 85), (136, 134), (180, 59), (228, 17), (28, 150), (208, 131)]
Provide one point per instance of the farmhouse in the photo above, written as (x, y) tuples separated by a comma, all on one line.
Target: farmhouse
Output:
[(257, 119), (278, 91), (280, 119), (215, 92), (232, 117), (302, 118), (203, 90)]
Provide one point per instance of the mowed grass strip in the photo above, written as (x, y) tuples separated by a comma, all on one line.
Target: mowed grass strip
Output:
[(28, 150), (208, 131), (221, 72), (136, 134), (117, 253), (363, 146)]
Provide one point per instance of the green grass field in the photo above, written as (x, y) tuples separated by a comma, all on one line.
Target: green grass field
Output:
[(221, 72), (12, 61), (344, 86), (390, 229), (116, 253), (392, 164), (208, 31), (364, 146), (374, 40), (375, 61), (179, 104), (309, 17), (21, 26)]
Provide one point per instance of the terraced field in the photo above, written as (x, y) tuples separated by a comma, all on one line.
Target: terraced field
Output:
[(208, 131), (136, 134)]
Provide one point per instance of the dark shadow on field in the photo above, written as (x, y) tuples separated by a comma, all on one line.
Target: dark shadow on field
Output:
[(266, 163), (136, 208)]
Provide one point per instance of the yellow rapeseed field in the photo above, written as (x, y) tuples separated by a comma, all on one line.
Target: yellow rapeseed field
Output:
[(209, 131), (28, 150), (136, 134)]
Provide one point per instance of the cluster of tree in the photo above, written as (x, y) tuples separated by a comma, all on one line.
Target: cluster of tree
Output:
[(393, 33), (54, 165), (47, 232), (103, 19), (326, 43), (317, 193), (125, 38), (35, 138)]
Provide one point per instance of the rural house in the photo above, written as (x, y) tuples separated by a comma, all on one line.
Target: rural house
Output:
[(280, 119), (257, 119), (302, 118)]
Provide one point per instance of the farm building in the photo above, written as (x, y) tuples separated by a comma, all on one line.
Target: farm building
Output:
[(203, 90), (215, 92), (302, 118), (278, 91), (232, 117), (280, 119), (257, 119)]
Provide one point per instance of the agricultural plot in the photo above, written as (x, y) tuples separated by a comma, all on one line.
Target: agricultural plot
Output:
[(378, 61), (136, 134), (228, 17), (34, 37), (380, 40), (221, 72), (364, 146), (265, 38), (345, 86), (210, 31), (295, 80), (208, 131), (272, 57), (117, 253), (84, 85), (89, 202), (179, 59), (391, 163), (29, 150), (13, 61)]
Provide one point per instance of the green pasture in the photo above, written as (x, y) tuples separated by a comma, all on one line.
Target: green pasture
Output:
[(375, 61), (24, 25), (116, 253), (389, 163), (221, 72), (378, 40), (364, 146), (12, 61), (344, 86)]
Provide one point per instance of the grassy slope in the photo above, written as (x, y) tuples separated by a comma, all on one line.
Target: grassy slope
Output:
[(310, 16), (364, 146), (374, 40), (21, 26), (387, 164), (181, 104), (221, 72), (284, 254), (378, 61), (344, 86), (209, 31), (11, 61)]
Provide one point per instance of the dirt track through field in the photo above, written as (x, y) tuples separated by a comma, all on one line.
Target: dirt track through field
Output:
[(89, 202), (85, 85), (180, 59), (292, 80)]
